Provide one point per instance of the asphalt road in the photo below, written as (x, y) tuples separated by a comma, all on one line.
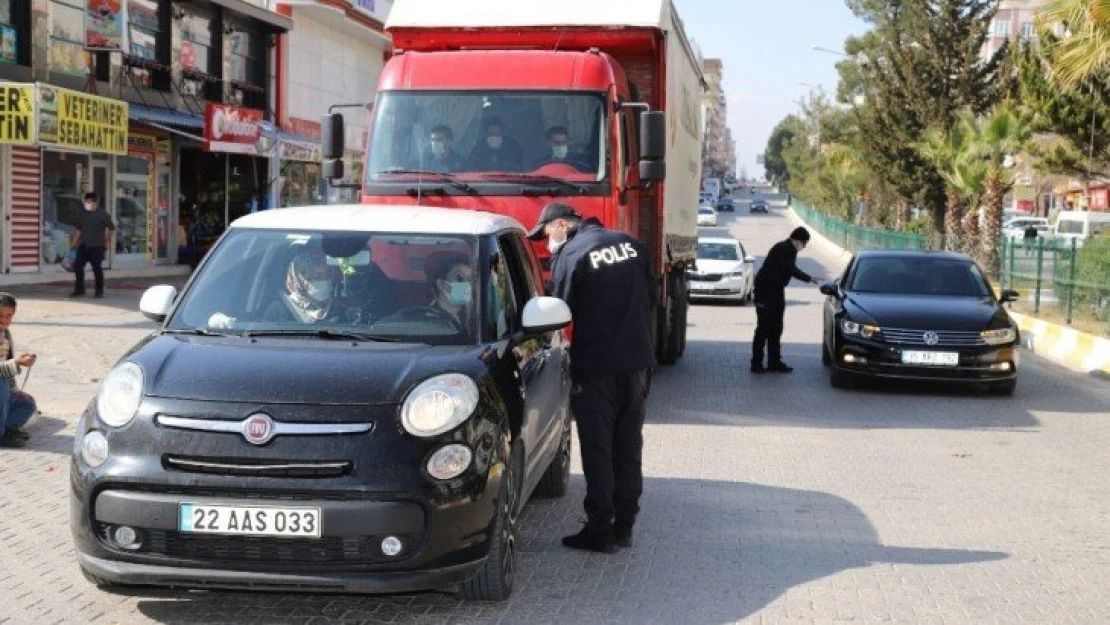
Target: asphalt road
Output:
[(768, 498)]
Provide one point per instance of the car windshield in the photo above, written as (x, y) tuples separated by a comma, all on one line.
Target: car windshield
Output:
[(942, 277), (705, 210), (1068, 226), (483, 136), (718, 251), (377, 286)]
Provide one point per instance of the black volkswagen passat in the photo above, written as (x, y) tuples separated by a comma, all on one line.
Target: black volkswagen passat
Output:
[(919, 315), (341, 399)]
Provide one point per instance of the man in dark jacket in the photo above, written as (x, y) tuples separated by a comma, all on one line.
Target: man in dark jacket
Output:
[(770, 299), (606, 278), (93, 239)]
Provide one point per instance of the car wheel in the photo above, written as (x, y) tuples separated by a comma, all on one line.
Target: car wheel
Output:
[(557, 477), (494, 581), (838, 378), (1004, 388), (826, 357)]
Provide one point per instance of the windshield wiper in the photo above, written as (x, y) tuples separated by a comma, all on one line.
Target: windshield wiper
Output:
[(325, 334), (448, 178), (196, 332), (542, 180)]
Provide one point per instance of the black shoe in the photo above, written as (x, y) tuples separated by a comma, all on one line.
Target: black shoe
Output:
[(11, 441), (623, 535), (599, 541), (758, 368), (77, 294), (780, 367), (19, 433)]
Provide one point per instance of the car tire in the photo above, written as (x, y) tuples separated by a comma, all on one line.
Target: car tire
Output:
[(494, 581), (826, 357), (838, 378), (1006, 388), (556, 478)]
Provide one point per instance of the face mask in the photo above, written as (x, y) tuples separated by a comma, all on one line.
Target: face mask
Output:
[(494, 142), (319, 290), (459, 293), (439, 148), (90, 207), (553, 246), (560, 151)]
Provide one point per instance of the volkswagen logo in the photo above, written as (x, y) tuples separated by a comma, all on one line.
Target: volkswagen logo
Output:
[(930, 338), (258, 429)]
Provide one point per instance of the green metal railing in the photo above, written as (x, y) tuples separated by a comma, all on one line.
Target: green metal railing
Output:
[(1060, 280), (854, 238)]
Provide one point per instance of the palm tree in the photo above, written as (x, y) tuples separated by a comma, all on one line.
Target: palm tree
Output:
[(993, 140), (1085, 50), (946, 150)]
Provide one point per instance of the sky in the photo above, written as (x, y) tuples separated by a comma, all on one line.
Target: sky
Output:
[(767, 49)]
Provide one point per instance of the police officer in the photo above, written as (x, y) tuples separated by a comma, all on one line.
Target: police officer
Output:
[(770, 299), (605, 277)]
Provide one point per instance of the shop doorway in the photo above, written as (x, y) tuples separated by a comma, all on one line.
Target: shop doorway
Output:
[(132, 210)]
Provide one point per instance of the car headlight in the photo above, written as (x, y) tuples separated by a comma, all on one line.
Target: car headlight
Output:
[(855, 328), (735, 274), (120, 394), (998, 337), (439, 404)]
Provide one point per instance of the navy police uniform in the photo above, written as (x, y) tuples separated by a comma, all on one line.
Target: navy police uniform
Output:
[(605, 277), (770, 299)]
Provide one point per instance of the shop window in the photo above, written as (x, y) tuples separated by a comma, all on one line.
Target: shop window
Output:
[(247, 185), (132, 204), (199, 64), (67, 53), (144, 31), (245, 70), (64, 178), (14, 32)]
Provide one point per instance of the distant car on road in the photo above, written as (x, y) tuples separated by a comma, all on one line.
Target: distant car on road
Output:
[(724, 271), (758, 206), (726, 205), (918, 315), (707, 216), (1014, 230)]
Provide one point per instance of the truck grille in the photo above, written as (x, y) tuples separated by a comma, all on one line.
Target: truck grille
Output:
[(945, 338)]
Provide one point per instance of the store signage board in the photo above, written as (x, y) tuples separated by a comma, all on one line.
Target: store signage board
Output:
[(17, 113), (233, 129), (76, 120), (104, 24)]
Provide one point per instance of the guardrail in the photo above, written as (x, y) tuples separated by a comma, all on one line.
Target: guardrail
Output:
[(1060, 280), (852, 237)]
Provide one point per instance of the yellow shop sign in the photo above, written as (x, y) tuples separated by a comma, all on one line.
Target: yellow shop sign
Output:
[(81, 121), (17, 113)]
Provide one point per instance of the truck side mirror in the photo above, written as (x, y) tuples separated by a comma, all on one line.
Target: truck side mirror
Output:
[(653, 135), (652, 171), (332, 136)]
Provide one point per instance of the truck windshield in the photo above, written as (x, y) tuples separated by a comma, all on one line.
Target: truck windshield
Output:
[(489, 136)]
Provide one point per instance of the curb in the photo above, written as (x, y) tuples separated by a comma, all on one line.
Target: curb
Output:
[(1078, 351), (57, 277)]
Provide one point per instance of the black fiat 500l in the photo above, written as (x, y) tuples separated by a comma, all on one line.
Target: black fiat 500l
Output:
[(919, 315), (349, 399)]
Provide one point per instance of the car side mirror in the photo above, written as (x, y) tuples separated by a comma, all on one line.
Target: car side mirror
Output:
[(1009, 295), (545, 314), (831, 289), (157, 302), (749, 259)]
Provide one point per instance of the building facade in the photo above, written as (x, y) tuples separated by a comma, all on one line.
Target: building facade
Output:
[(1013, 21), (718, 155)]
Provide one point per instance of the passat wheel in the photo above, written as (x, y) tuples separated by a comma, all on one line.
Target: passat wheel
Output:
[(494, 581), (839, 378), (826, 357)]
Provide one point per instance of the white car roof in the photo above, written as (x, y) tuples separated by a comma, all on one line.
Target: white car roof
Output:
[(380, 218)]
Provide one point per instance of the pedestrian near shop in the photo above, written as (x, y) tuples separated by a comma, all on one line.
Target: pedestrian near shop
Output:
[(605, 278), (770, 300), (16, 407), (94, 226)]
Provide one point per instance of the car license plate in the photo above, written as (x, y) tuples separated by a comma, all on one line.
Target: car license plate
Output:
[(249, 520), (939, 359), (701, 286)]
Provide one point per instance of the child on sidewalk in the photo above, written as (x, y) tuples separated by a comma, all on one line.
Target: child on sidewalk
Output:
[(16, 407)]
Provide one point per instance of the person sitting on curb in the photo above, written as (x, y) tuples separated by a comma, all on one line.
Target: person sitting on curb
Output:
[(16, 407)]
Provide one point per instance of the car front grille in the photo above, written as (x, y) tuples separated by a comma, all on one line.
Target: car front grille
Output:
[(944, 338), (258, 468), (707, 277), (262, 549)]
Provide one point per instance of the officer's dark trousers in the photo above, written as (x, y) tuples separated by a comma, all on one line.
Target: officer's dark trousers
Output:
[(609, 412), (769, 312)]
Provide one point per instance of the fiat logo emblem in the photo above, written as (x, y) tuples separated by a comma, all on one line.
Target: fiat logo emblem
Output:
[(930, 338), (258, 429)]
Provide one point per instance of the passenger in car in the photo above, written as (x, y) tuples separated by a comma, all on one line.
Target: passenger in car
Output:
[(449, 276)]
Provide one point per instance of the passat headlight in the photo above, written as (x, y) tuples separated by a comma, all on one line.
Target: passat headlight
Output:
[(439, 404), (998, 337), (855, 328), (120, 394)]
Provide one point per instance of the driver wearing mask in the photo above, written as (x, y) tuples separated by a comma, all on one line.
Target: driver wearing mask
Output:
[(497, 152), (450, 277), (559, 143), (443, 158), (307, 298)]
